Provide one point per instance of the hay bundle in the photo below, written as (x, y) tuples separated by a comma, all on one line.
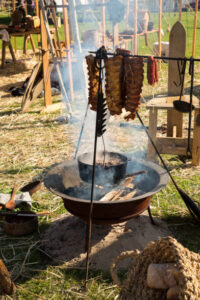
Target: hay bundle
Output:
[(166, 250)]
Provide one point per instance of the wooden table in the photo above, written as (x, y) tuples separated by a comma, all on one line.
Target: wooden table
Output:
[(26, 34), (173, 145)]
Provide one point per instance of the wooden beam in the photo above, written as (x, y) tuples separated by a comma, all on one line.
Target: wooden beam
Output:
[(115, 36), (32, 43), (127, 12), (170, 145), (153, 119), (159, 33), (103, 15), (180, 10), (67, 44), (3, 53), (45, 60), (75, 28), (135, 26), (25, 44), (38, 15), (195, 27), (66, 25), (15, 40), (196, 139), (127, 26)]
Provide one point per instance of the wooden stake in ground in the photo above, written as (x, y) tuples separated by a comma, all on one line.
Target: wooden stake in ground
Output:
[(6, 283), (135, 26), (103, 15), (15, 41), (180, 10), (195, 27), (67, 45), (159, 33)]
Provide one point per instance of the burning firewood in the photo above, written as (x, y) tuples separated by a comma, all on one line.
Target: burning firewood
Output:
[(114, 194), (109, 196), (129, 196)]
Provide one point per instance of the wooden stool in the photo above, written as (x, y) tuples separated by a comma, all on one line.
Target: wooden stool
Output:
[(173, 145), (4, 44)]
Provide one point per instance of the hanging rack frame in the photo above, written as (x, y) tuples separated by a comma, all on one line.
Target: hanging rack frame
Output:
[(156, 57)]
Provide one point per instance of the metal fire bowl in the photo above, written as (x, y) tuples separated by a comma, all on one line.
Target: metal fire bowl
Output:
[(66, 174)]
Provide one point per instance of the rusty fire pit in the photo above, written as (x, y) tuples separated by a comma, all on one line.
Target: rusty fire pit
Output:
[(64, 181)]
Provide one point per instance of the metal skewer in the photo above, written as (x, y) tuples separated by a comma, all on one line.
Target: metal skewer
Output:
[(99, 130)]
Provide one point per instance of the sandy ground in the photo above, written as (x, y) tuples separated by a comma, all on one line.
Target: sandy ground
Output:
[(64, 240)]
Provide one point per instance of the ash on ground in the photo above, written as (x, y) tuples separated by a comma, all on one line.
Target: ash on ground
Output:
[(64, 240)]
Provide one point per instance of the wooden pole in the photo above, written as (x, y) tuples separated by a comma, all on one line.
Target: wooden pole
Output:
[(44, 22), (38, 15), (180, 10), (195, 27), (67, 45), (15, 40), (25, 7), (135, 26), (56, 28), (115, 36), (159, 32), (74, 22), (103, 12), (127, 12), (45, 61), (66, 25), (37, 8)]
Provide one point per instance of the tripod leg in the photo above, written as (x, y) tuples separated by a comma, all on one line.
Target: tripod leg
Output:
[(150, 216)]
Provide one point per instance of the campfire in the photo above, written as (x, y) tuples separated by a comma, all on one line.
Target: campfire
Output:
[(113, 202)]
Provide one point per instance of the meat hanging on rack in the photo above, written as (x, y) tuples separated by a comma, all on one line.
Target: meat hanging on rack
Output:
[(121, 51), (93, 81), (133, 82), (152, 70), (114, 76)]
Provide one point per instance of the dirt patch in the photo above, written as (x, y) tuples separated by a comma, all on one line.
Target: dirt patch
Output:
[(64, 240)]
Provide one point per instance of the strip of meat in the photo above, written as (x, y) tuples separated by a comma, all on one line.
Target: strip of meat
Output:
[(133, 77), (93, 81), (121, 51), (114, 68), (152, 70)]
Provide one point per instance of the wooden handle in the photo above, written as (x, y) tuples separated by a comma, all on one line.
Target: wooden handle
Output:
[(121, 257), (11, 203), (14, 191), (45, 212), (195, 27)]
